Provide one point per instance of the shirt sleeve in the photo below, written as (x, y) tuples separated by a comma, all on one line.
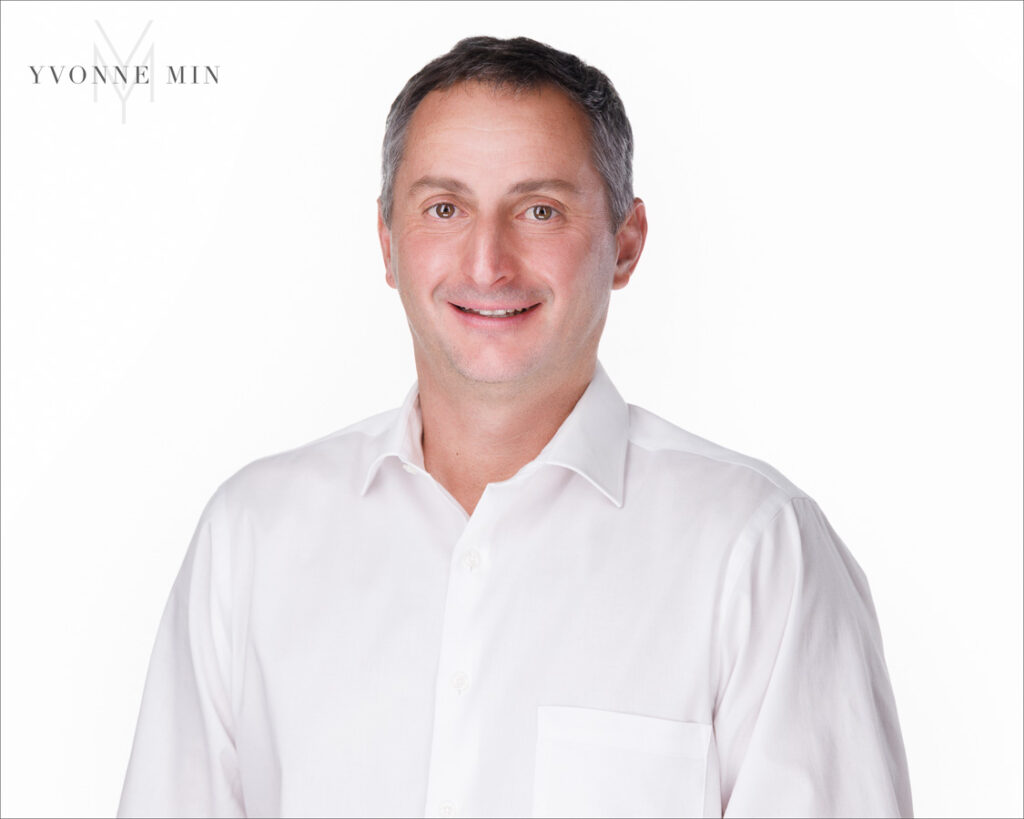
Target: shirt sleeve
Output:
[(805, 720), (183, 760)]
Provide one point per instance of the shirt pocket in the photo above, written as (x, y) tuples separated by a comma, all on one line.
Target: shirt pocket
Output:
[(603, 763)]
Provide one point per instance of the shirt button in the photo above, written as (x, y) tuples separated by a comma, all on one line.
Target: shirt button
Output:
[(446, 808), (472, 560), (460, 682), (409, 468)]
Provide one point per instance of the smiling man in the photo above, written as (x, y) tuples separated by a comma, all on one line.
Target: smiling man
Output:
[(498, 233), (516, 594)]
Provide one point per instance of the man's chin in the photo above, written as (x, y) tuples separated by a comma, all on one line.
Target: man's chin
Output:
[(484, 370)]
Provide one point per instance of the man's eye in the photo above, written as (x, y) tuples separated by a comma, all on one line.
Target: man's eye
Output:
[(443, 210), (541, 213)]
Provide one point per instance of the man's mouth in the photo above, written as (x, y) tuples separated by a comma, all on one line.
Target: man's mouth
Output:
[(501, 312)]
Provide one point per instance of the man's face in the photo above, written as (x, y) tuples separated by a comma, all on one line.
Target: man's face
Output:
[(498, 207)]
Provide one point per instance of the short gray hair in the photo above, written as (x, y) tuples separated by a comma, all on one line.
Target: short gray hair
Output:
[(522, 63)]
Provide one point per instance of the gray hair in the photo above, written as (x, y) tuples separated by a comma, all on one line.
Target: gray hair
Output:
[(522, 63)]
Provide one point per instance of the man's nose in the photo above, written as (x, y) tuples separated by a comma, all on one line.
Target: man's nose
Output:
[(490, 254)]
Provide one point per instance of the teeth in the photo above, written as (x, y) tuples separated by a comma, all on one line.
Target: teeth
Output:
[(499, 313)]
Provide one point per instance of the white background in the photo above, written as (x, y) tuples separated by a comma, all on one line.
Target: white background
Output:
[(832, 283)]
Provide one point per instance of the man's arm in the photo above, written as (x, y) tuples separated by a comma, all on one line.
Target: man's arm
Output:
[(805, 721), (183, 760)]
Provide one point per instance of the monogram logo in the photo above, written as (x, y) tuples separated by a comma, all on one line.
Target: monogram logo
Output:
[(124, 89), (123, 71)]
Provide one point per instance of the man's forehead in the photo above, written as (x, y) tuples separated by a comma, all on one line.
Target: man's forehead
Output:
[(478, 102), (483, 92), (538, 126)]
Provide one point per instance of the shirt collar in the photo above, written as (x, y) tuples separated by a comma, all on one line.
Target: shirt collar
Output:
[(592, 440)]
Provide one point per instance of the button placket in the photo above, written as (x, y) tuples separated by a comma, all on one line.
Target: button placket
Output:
[(456, 722)]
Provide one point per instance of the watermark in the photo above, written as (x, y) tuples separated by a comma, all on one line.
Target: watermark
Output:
[(121, 71)]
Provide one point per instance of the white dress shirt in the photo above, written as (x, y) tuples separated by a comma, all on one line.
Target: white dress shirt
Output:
[(638, 623)]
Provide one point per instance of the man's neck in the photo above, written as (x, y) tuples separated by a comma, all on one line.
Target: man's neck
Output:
[(476, 434)]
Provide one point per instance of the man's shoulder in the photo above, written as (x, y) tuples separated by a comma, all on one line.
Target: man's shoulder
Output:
[(677, 449), (340, 457)]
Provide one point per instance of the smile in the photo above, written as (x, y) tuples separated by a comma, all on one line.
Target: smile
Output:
[(496, 312)]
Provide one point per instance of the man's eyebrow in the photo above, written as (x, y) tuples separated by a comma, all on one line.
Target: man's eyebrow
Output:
[(534, 185), (439, 182), (449, 183)]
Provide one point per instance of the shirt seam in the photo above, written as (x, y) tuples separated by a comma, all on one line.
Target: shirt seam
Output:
[(730, 461)]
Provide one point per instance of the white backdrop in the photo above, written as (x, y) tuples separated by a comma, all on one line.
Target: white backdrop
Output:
[(832, 283)]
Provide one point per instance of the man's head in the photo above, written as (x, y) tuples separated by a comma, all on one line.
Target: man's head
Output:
[(516, 65), (496, 198)]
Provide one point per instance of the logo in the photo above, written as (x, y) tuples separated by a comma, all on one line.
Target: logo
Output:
[(116, 73)]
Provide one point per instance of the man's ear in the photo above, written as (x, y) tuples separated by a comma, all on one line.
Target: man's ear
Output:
[(384, 234), (629, 242)]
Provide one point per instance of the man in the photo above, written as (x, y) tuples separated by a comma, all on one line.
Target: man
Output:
[(516, 594)]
